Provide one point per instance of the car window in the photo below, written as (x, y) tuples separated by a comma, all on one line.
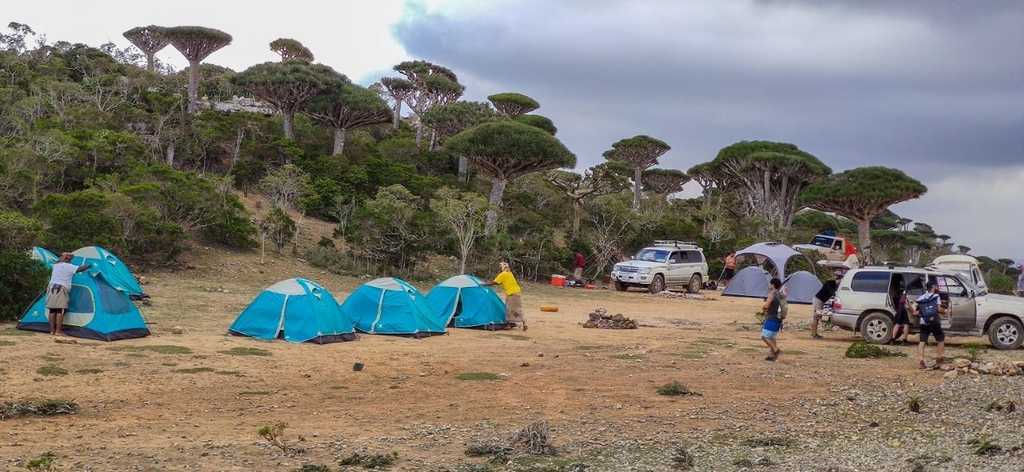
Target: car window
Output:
[(914, 284), (951, 286), (822, 241), (872, 282), (694, 256), (652, 255), (837, 245), (676, 257)]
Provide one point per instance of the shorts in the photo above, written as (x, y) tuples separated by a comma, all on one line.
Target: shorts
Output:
[(57, 297), (728, 274), (903, 319), (514, 309), (577, 273), (932, 329), (770, 329), (816, 307)]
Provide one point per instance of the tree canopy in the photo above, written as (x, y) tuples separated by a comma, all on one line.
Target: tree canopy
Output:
[(290, 49), (288, 85), (538, 121), (196, 43), (513, 104), (349, 106), (861, 194), (505, 150), (639, 152), (664, 181), (449, 120), (150, 40), (769, 177)]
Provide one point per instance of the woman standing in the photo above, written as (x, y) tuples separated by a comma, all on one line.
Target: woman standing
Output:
[(513, 302)]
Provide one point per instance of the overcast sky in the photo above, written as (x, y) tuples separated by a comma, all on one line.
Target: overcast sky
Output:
[(933, 87)]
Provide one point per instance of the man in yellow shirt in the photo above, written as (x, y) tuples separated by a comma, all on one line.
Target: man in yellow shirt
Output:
[(513, 302)]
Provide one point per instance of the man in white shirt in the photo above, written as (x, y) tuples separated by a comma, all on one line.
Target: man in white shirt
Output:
[(58, 293)]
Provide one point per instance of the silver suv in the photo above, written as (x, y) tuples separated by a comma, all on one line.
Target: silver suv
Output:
[(666, 265), (866, 299)]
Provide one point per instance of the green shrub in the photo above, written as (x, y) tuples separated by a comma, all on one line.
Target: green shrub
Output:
[(78, 219), (864, 350), (22, 279), (370, 461), (675, 389), (278, 227)]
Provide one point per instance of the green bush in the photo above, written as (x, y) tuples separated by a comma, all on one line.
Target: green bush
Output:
[(77, 219), (864, 350), (278, 227), (22, 279)]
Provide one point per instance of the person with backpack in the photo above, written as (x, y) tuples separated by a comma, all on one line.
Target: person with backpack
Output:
[(775, 309), (929, 308), (827, 291)]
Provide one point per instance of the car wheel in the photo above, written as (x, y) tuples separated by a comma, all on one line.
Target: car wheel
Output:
[(1006, 333), (621, 287), (657, 284), (695, 284), (876, 328)]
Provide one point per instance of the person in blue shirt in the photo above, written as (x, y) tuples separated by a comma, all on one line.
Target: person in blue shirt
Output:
[(929, 308), (773, 316)]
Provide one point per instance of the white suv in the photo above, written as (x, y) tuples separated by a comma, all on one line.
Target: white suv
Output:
[(666, 265), (866, 296)]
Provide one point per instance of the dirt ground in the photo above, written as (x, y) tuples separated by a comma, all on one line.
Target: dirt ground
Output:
[(200, 407)]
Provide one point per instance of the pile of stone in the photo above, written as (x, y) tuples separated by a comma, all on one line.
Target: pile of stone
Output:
[(962, 366), (600, 318), (688, 296)]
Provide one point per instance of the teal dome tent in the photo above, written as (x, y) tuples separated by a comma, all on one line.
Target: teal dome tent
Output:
[(391, 306), (463, 302), (297, 310), (43, 255), (96, 310)]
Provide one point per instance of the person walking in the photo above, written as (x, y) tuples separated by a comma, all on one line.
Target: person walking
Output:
[(730, 268), (929, 307), (901, 325), (827, 291), (1020, 283), (772, 319), (513, 301), (579, 263), (58, 291)]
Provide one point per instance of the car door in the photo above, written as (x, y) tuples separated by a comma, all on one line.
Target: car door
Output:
[(962, 305), (676, 266)]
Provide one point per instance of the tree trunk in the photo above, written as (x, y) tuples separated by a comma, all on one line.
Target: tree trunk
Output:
[(577, 215), (463, 169), (638, 174), (339, 141), (419, 135), (193, 86), (236, 151), (462, 260), (398, 114), (497, 192), (289, 130), (170, 154), (864, 238), (433, 140), (150, 62)]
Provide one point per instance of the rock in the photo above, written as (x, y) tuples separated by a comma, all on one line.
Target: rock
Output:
[(177, 330), (524, 364), (540, 354), (951, 374), (358, 367), (961, 363), (599, 318)]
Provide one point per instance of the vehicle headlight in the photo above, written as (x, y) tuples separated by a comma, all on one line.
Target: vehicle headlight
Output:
[(644, 270)]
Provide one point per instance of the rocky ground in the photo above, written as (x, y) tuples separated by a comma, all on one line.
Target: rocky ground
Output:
[(191, 398)]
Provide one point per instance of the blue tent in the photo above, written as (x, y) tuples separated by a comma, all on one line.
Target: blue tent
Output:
[(114, 270), (464, 303), (97, 310), (44, 255), (391, 306), (297, 310)]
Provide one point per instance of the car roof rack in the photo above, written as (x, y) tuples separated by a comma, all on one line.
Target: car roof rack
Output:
[(675, 244)]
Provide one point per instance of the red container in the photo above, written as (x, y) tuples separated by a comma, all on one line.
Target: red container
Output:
[(558, 280)]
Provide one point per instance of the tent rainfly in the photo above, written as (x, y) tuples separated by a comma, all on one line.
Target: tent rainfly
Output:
[(752, 281)]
